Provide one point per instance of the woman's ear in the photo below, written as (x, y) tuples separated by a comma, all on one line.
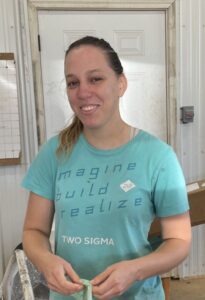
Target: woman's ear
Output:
[(122, 85)]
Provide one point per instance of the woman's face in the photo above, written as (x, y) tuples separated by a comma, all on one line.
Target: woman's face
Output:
[(93, 88)]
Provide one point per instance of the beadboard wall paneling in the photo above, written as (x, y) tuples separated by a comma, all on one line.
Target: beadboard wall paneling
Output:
[(192, 14), (202, 89), (13, 199), (7, 33), (13, 202), (192, 136)]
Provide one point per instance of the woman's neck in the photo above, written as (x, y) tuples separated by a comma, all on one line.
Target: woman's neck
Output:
[(103, 139)]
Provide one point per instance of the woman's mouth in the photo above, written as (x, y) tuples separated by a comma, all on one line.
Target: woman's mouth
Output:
[(89, 108)]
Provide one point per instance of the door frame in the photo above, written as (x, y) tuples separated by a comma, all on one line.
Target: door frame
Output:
[(168, 6)]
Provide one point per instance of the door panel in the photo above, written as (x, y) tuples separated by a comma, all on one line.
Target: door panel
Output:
[(139, 39)]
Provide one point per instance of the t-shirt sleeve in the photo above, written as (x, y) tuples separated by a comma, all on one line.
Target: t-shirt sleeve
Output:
[(40, 178), (170, 195)]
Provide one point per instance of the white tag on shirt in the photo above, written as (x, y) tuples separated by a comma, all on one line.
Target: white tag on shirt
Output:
[(127, 185)]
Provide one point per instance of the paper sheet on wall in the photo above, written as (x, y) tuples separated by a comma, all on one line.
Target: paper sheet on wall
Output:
[(9, 112)]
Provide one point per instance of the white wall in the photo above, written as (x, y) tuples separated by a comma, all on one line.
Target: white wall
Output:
[(191, 142), (13, 198), (192, 88), (191, 91)]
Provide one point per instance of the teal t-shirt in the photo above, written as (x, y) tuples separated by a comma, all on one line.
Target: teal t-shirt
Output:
[(105, 202)]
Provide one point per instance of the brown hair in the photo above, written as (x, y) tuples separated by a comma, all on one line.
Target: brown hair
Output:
[(69, 136)]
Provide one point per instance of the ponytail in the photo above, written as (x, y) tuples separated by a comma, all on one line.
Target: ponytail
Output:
[(69, 136)]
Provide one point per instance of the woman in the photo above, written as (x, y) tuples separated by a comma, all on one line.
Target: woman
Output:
[(106, 182)]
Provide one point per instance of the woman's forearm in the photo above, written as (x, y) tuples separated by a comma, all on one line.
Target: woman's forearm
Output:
[(37, 246), (171, 253)]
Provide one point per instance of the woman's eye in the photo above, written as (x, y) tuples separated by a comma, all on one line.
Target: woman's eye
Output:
[(95, 79), (72, 84)]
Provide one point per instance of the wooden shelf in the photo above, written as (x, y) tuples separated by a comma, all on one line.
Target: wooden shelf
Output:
[(6, 56), (10, 161)]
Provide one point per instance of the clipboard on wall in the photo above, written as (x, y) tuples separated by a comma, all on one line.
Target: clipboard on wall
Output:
[(10, 144)]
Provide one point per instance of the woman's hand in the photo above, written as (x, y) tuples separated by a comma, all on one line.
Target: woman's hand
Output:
[(114, 281), (60, 276)]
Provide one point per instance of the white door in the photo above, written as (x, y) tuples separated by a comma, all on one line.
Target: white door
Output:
[(139, 39)]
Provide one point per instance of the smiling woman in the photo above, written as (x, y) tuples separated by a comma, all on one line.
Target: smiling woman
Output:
[(95, 82), (106, 182)]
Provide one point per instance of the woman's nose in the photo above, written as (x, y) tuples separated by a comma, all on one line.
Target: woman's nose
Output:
[(84, 90)]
